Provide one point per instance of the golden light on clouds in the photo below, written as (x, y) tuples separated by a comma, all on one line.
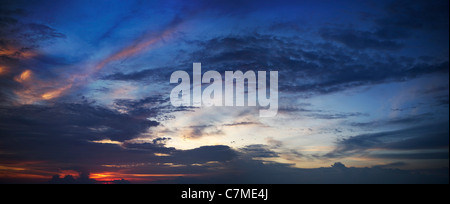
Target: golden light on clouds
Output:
[(8, 52), (26, 75), (107, 141), (161, 155), (14, 52), (40, 90), (55, 93)]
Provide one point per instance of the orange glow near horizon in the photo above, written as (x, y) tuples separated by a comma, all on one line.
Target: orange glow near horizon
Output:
[(73, 173), (111, 176), (29, 171)]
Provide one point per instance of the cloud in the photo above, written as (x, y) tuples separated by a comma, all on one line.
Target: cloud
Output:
[(306, 67), (198, 131), (118, 139), (426, 156), (20, 41), (18, 37), (258, 151), (66, 120), (407, 120), (416, 139), (391, 165), (335, 116), (69, 179), (256, 172), (147, 74), (401, 20), (95, 139), (151, 106), (62, 135), (415, 14), (359, 39), (219, 153), (242, 124)]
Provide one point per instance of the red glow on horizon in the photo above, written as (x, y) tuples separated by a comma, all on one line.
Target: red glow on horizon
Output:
[(106, 177)]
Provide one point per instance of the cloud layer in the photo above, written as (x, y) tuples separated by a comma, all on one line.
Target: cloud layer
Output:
[(84, 92)]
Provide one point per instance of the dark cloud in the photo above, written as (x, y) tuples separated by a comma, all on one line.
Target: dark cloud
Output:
[(391, 165), (256, 172), (319, 114), (408, 120), (151, 106), (78, 120), (429, 137), (306, 67), (197, 131), (61, 135), (69, 179), (401, 20), (360, 40), (18, 35), (135, 76), (335, 116), (422, 155), (415, 14), (258, 151), (242, 124), (18, 40), (77, 136)]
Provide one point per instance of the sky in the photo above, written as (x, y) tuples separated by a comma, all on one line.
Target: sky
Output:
[(85, 91)]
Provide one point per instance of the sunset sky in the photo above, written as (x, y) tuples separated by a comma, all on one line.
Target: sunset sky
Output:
[(363, 91)]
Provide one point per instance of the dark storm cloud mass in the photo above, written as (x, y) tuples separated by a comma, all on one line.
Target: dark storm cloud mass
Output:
[(62, 134), (82, 121)]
